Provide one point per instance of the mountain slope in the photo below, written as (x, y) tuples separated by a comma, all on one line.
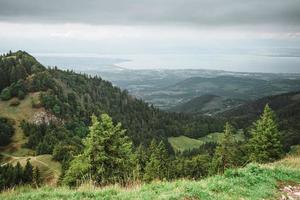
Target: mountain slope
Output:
[(206, 104), (235, 87)]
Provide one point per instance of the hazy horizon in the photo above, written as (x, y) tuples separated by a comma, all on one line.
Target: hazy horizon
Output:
[(225, 62), (226, 35)]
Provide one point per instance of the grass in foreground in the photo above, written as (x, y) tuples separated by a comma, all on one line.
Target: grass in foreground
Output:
[(252, 182)]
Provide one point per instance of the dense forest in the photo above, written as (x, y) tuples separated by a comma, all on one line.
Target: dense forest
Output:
[(101, 133)]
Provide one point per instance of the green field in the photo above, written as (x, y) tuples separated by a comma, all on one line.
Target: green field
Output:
[(254, 182), (183, 143)]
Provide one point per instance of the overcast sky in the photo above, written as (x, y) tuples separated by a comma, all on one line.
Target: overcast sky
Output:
[(268, 27)]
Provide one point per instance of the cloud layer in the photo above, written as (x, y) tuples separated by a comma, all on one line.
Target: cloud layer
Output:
[(277, 13)]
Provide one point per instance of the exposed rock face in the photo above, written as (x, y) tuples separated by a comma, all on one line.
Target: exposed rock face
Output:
[(290, 193), (43, 117)]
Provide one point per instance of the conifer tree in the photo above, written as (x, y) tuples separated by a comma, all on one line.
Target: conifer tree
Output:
[(157, 166), (226, 151), (28, 173), (140, 160), (265, 144), (107, 156)]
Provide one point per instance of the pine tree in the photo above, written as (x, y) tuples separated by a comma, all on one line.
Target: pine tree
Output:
[(265, 144), (18, 174), (226, 151), (28, 173), (107, 154), (140, 160), (157, 166)]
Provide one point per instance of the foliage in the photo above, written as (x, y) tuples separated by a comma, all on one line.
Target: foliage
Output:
[(157, 166), (5, 94), (287, 108), (11, 176), (6, 131), (45, 138), (107, 154), (17, 66), (265, 144), (226, 153), (252, 182)]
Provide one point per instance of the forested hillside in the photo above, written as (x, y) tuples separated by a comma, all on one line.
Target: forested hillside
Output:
[(51, 111), (286, 106), (75, 97)]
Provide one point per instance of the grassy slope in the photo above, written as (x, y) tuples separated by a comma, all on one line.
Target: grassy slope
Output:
[(24, 111), (252, 182), (183, 143), (50, 170)]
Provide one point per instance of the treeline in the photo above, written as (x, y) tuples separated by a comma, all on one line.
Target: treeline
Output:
[(108, 156), (11, 176)]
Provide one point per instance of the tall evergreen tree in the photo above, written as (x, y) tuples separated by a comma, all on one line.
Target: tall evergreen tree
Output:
[(107, 154), (18, 174), (140, 160), (28, 173), (157, 166), (226, 151), (265, 144)]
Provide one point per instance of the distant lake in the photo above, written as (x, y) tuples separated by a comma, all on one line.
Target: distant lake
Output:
[(228, 62)]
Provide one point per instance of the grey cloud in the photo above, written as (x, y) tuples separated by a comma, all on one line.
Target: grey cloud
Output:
[(196, 12)]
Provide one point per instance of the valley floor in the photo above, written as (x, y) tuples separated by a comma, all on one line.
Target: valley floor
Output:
[(253, 182)]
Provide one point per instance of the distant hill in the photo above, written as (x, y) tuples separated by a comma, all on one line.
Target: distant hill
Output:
[(235, 87), (168, 88), (207, 104)]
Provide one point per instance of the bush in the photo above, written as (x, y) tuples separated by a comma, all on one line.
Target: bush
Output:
[(6, 131), (5, 94), (14, 102)]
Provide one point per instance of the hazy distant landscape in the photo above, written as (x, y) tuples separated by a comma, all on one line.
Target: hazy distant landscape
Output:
[(169, 89)]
